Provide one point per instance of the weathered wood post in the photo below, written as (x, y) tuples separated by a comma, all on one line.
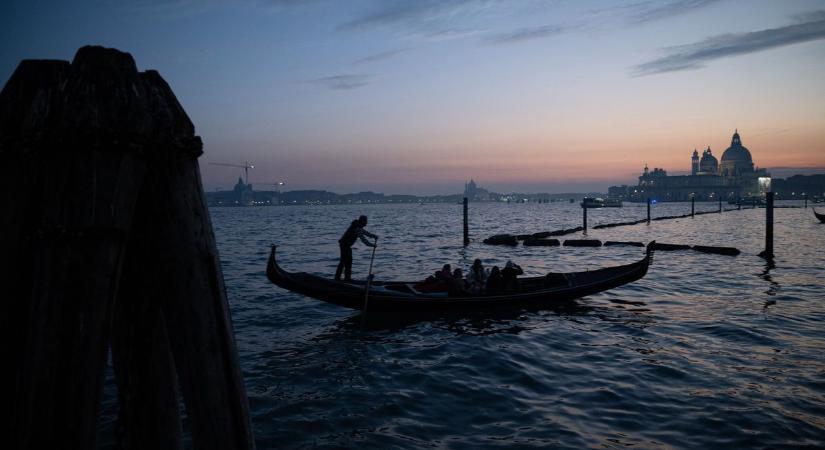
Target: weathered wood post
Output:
[(806, 199), (648, 210), (106, 228), (584, 217), (768, 252), (720, 204), (466, 225), (692, 206)]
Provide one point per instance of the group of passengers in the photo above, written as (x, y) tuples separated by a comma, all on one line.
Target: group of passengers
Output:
[(479, 280)]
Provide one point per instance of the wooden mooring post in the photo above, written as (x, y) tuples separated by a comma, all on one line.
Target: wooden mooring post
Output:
[(584, 218), (466, 225), (720, 204), (768, 252), (106, 243), (692, 207), (648, 210)]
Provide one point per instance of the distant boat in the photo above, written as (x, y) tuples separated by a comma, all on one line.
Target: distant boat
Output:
[(613, 203), (753, 200), (821, 217), (401, 296), (592, 202)]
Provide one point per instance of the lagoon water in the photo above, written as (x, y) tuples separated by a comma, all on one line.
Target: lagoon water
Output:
[(706, 351)]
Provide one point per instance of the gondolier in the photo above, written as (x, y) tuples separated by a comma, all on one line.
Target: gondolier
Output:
[(354, 232)]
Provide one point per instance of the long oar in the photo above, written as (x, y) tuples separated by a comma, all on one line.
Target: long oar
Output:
[(369, 277)]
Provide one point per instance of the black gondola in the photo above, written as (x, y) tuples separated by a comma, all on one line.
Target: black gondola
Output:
[(821, 217), (399, 296)]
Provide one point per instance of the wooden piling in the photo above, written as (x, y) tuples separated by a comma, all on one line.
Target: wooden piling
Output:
[(648, 210), (105, 227), (692, 207), (466, 225), (720, 204), (768, 252), (584, 218)]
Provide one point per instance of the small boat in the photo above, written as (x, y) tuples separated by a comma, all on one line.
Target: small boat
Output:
[(401, 296), (613, 203), (592, 202), (821, 217)]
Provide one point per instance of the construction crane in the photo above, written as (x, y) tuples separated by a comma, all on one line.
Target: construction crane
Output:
[(246, 166)]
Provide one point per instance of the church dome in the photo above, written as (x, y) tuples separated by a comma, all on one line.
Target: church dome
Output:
[(708, 158), (737, 152)]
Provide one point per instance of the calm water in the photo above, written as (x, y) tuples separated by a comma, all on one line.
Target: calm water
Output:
[(706, 351)]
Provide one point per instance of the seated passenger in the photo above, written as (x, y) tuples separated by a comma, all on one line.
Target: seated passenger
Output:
[(495, 282), (458, 287), (510, 276), (477, 277), (445, 273), (437, 282)]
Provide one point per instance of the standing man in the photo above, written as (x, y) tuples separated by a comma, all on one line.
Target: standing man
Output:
[(355, 231)]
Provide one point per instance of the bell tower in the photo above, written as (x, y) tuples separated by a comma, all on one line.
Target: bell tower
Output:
[(694, 163)]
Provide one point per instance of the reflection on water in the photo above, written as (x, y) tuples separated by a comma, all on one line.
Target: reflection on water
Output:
[(691, 356)]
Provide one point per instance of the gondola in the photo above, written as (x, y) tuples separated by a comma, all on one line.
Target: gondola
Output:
[(821, 217), (399, 296)]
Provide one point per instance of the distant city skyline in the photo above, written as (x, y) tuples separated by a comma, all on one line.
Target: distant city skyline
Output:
[(417, 97)]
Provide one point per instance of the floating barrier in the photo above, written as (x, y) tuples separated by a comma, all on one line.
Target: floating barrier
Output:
[(582, 243), (501, 239), (731, 251), (669, 247), (632, 244), (541, 243), (541, 235)]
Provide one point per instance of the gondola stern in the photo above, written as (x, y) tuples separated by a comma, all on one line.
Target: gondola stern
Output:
[(273, 272)]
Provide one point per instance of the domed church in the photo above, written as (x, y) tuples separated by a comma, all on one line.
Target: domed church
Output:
[(736, 160), (732, 178)]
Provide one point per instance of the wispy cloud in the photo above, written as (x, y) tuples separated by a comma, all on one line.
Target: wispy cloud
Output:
[(428, 19), (628, 14), (343, 82), (525, 34), (380, 56), (653, 10), (696, 55)]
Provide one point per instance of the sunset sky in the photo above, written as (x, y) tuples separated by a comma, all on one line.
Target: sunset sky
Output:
[(419, 96)]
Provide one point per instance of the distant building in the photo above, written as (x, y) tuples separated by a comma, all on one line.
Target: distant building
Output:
[(733, 178), (242, 193), (475, 193)]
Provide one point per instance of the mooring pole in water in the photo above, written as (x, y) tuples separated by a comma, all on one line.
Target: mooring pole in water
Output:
[(466, 226), (720, 204), (692, 206), (806, 200), (768, 253), (584, 217), (648, 210), (118, 154)]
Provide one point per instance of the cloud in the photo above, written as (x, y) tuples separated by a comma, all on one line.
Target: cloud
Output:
[(343, 82), (694, 56), (652, 10), (380, 56), (427, 19), (525, 34), (633, 14)]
